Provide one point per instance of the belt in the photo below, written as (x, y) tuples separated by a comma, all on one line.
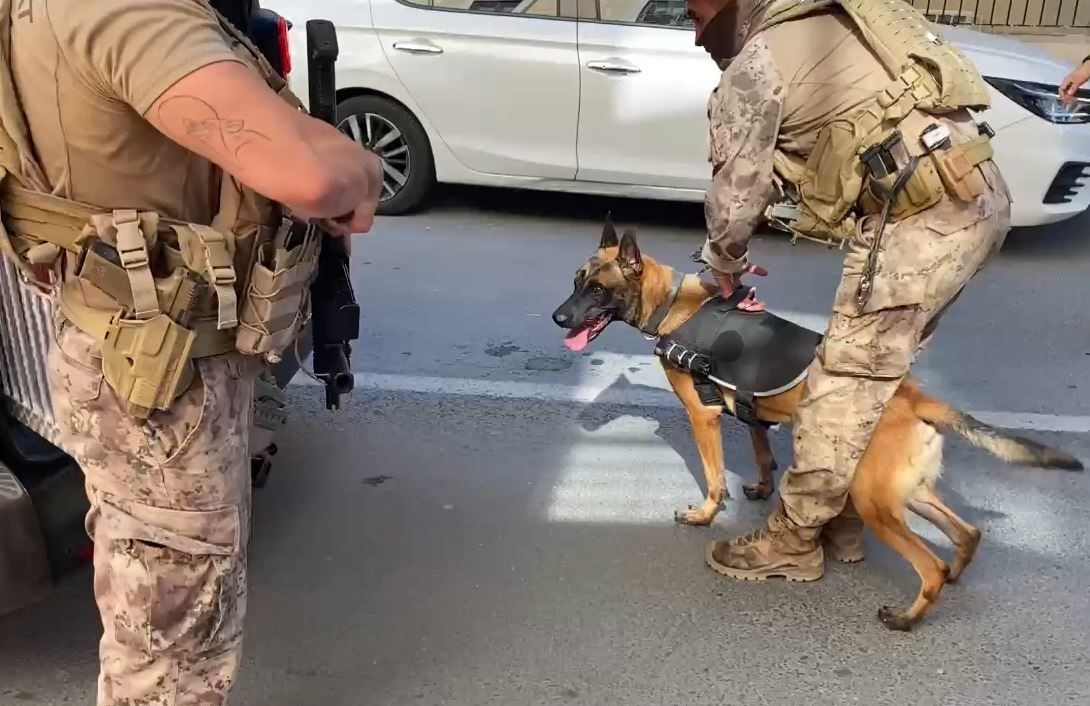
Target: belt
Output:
[(209, 342)]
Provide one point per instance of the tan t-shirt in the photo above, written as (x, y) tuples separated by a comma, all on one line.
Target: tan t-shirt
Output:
[(828, 72), (87, 70)]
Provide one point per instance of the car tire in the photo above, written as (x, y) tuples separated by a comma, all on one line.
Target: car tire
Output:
[(30, 456), (409, 154)]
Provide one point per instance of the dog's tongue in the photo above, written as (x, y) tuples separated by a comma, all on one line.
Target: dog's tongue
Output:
[(577, 340)]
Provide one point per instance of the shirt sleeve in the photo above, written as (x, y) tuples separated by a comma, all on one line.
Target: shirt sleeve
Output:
[(134, 50), (744, 117)]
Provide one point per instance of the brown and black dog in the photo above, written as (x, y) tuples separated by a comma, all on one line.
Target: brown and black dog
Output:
[(898, 469)]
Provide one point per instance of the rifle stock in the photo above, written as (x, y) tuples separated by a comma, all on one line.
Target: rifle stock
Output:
[(335, 314)]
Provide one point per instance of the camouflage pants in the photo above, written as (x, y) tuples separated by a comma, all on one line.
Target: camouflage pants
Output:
[(925, 262), (170, 504)]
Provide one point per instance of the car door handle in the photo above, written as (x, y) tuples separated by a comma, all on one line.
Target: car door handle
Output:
[(613, 66), (418, 47)]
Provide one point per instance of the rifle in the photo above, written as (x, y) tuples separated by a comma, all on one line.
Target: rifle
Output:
[(335, 315)]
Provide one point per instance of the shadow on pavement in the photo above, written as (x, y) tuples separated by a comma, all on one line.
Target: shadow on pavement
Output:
[(673, 428), (406, 552), (529, 203)]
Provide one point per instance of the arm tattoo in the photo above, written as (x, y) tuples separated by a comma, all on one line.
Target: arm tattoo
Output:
[(201, 121)]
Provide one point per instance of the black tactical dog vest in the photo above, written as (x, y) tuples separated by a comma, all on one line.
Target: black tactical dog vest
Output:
[(753, 354)]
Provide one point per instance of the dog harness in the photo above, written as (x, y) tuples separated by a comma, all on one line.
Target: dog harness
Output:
[(753, 354)]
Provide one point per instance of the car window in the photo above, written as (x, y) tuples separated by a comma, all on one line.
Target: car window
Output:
[(662, 13), (537, 8)]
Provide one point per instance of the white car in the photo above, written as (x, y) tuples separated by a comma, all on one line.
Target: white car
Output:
[(610, 97)]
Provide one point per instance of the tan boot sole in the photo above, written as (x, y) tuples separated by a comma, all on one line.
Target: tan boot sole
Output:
[(791, 573)]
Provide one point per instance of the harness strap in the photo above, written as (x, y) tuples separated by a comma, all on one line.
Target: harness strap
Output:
[(745, 409), (708, 392)]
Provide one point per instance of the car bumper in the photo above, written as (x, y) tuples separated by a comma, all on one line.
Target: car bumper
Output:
[(1047, 168)]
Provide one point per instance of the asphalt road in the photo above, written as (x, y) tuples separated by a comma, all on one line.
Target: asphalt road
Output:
[(489, 521)]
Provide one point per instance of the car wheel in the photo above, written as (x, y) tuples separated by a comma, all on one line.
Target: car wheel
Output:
[(387, 128)]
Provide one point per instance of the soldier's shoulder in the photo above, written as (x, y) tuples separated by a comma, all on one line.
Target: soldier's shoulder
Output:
[(61, 14), (754, 67)]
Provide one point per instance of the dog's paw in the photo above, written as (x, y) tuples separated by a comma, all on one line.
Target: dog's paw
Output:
[(695, 516), (894, 620), (954, 573), (757, 491)]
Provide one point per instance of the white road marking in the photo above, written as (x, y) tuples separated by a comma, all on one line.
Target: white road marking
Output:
[(633, 380), (622, 473)]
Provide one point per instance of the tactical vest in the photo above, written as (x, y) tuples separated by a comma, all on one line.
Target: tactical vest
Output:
[(156, 293), (931, 79), (752, 354)]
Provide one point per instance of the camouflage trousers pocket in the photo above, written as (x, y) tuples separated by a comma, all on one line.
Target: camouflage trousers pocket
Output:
[(75, 368), (275, 307), (175, 578), (878, 339)]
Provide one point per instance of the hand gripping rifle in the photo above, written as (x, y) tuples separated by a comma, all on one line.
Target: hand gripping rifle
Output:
[(335, 315)]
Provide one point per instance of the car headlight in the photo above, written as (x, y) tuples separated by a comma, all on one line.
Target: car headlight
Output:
[(1043, 100)]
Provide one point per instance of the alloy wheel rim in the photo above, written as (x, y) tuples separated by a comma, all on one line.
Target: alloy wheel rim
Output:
[(382, 137)]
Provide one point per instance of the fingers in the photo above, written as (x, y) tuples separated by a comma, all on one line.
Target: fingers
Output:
[(362, 219), (1067, 89), (757, 270), (335, 228), (750, 303), (373, 165)]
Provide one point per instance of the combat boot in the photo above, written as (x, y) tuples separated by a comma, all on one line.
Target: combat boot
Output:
[(842, 536), (780, 548)]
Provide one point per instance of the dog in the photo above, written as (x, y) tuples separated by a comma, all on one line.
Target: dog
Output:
[(898, 470)]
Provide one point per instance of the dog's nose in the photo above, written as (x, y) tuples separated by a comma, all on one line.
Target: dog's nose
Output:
[(561, 318)]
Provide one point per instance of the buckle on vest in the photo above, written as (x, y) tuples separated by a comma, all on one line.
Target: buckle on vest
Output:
[(132, 251), (220, 273)]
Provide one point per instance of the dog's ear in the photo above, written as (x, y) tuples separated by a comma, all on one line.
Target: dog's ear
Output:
[(609, 233), (629, 255)]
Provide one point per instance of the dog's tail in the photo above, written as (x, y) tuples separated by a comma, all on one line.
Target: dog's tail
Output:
[(1009, 447)]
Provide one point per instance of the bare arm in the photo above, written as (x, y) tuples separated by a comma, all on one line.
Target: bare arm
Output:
[(226, 114)]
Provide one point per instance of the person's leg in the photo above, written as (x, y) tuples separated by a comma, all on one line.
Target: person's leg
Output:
[(969, 250), (170, 503), (832, 426), (842, 536), (926, 261)]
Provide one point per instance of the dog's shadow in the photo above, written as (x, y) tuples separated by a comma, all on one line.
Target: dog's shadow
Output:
[(672, 426)]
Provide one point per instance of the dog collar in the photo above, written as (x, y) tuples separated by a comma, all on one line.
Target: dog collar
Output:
[(651, 330)]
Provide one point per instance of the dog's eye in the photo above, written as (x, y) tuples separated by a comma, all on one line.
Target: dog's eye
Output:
[(597, 288)]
